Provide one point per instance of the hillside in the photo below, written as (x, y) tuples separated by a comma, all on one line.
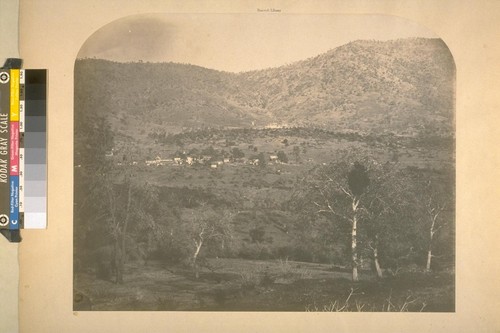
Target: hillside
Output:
[(364, 85), (402, 86)]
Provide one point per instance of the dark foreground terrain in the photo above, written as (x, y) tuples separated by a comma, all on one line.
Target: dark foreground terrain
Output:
[(252, 285)]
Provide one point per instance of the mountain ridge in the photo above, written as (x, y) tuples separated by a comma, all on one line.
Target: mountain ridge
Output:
[(403, 86)]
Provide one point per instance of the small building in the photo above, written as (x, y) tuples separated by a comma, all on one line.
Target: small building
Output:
[(158, 161)]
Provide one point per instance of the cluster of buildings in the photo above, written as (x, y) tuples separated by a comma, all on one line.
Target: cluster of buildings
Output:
[(207, 160), (188, 160)]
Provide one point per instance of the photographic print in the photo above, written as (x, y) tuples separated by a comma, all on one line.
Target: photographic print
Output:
[(264, 162)]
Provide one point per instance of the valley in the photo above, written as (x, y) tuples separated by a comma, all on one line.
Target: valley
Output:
[(197, 189)]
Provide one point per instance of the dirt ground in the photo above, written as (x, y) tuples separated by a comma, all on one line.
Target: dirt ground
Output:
[(253, 285)]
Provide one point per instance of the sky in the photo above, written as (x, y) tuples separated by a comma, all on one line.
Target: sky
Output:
[(238, 42)]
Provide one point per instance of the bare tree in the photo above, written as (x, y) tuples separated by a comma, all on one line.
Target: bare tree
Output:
[(340, 195), (369, 201), (385, 209), (126, 202), (203, 226), (434, 202)]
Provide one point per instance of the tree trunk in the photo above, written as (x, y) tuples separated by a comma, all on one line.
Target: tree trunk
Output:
[(429, 258), (195, 256), (374, 247), (119, 262), (377, 265), (116, 271), (354, 249), (429, 251), (122, 255)]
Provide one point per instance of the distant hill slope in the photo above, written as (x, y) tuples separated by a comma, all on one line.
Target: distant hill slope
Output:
[(403, 86), (365, 85)]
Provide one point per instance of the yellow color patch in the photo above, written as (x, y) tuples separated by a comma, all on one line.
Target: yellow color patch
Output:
[(14, 95)]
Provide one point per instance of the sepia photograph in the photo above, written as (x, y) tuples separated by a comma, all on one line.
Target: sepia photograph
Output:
[(264, 162)]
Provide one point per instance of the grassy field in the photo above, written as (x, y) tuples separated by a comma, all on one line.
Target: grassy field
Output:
[(253, 285)]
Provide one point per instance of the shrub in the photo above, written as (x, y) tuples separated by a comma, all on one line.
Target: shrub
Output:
[(296, 253), (255, 251), (257, 234), (285, 267), (249, 279)]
